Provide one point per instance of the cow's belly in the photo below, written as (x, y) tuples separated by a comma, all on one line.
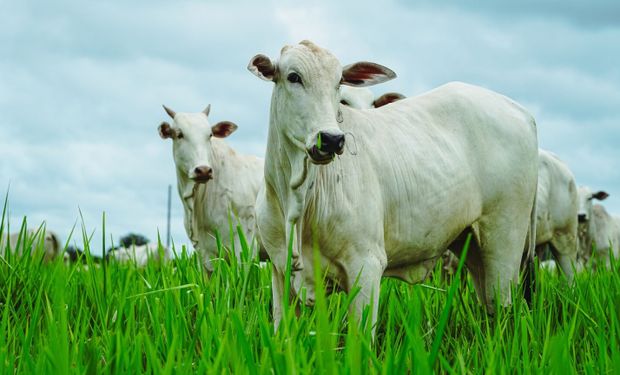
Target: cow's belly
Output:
[(423, 230), (544, 228)]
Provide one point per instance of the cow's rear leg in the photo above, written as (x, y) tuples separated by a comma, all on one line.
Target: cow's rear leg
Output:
[(502, 249), (473, 262), (564, 249)]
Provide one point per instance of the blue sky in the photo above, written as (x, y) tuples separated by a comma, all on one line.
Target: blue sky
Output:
[(82, 83)]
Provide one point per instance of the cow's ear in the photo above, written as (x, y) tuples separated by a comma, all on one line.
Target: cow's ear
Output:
[(262, 67), (365, 73), (600, 195), (223, 129), (387, 98), (166, 131)]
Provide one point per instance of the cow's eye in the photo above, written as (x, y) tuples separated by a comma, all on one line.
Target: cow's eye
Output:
[(179, 135), (344, 102), (294, 78)]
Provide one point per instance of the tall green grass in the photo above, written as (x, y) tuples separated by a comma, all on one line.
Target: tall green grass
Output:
[(175, 318)]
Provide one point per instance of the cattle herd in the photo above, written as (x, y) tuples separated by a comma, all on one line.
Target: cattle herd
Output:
[(381, 186)]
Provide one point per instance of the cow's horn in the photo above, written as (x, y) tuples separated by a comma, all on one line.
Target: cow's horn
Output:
[(170, 112)]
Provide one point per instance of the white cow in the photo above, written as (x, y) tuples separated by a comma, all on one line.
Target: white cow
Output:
[(428, 171), (139, 254), (606, 236), (363, 98), (217, 186), (34, 238), (587, 227), (557, 203)]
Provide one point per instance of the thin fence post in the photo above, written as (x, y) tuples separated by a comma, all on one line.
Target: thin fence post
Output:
[(168, 218)]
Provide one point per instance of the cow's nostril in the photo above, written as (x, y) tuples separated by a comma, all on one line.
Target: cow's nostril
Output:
[(332, 143), (581, 218), (203, 173)]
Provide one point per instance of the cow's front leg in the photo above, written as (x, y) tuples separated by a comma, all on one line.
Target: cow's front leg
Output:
[(277, 291), (365, 274)]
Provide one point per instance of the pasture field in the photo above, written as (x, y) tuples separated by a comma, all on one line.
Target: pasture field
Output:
[(173, 318)]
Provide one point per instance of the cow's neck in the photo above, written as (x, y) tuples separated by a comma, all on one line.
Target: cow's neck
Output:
[(195, 197), (287, 172), (286, 164)]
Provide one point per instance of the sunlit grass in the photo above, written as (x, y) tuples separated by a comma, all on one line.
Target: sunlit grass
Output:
[(176, 318)]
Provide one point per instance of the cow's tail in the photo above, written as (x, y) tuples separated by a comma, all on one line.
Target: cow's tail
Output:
[(527, 261)]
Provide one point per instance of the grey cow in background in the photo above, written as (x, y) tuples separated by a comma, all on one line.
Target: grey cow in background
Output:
[(47, 239), (557, 203), (588, 230)]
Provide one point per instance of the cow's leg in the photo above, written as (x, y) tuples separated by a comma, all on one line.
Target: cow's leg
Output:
[(277, 292), (365, 273), (564, 249), (237, 244), (271, 230), (473, 262), (502, 239)]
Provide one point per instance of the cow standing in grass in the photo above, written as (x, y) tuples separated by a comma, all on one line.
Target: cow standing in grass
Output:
[(137, 249), (217, 186), (42, 239), (607, 238), (599, 234), (557, 203), (588, 232), (426, 172)]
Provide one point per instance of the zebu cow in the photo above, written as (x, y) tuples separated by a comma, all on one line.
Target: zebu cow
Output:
[(363, 98), (47, 240), (605, 237), (587, 227), (428, 171), (137, 249), (557, 203), (140, 255), (215, 184)]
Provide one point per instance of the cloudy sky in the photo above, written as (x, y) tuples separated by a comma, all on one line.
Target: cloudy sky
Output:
[(82, 83)]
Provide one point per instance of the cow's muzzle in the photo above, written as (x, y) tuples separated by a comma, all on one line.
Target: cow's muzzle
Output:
[(327, 146), (582, 218), (201, 174)]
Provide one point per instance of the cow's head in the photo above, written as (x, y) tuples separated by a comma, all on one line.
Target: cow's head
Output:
[(191, 142), (585, 202), (306, 97)]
